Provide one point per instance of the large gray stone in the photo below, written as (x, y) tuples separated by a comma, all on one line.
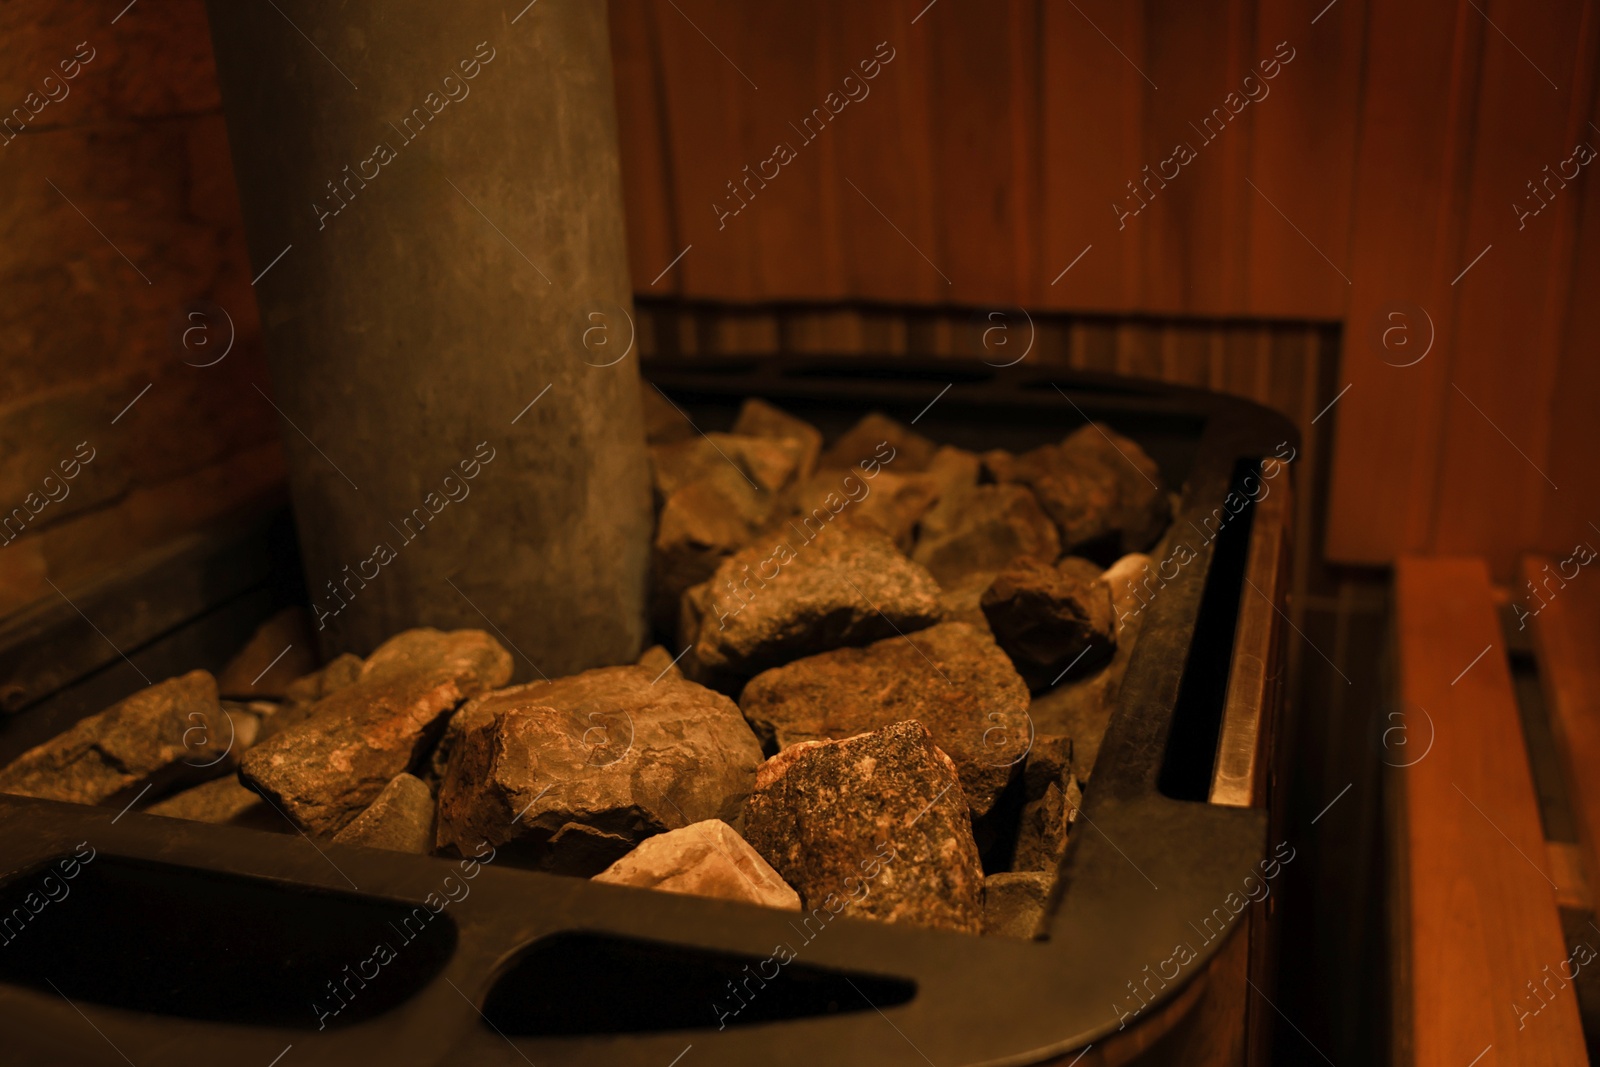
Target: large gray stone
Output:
[(399, 819), (326, 770), (872, 826), (703, 859), (171, 733), (951, 678), (772, 603), (572, 774)]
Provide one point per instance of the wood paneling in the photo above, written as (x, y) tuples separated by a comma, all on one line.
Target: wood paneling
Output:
[(1482, 917), (1007, 139)]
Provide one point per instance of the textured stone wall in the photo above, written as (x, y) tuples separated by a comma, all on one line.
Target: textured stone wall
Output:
[(117, 213)]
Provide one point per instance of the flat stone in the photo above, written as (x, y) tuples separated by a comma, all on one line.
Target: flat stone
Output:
[(574, 773), (326, 770), (703, 859), (1014, 903), (163, 736), (1049, 621), (951, 678), (984, 528), (224, 801), (772, 603), (880, 438), (872, 826), (399, 819), (304, 693), (1051, 799), (767, 464), (281, 650), (757, 418)]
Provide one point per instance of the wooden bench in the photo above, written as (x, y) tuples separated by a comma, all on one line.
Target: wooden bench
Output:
[(1480, 919)]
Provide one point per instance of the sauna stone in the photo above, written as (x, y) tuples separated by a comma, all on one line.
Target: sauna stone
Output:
[(574, 773), (951, 678), (873, 826), (326, 770), (1050, 620), (704, 859)]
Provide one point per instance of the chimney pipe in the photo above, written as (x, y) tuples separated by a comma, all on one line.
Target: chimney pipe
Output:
[(433, 206)]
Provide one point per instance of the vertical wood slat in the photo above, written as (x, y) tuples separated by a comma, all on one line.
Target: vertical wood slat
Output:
[(1564, 602), (1092, 115), (1482, 916), (1415, 118), (1302, 156), (1491, 487), (647, 186)]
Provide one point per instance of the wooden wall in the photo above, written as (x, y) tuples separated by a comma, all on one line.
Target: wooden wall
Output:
[(117, 209), (1355, 185)]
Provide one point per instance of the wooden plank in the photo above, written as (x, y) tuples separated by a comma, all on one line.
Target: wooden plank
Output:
[(1559, 600), (1302, 156), (1192, 228), (885, 148), (1416, 116), (1567, 514), (981, 199), (1492, 484), (1091, 143), (641, 140), (706, 99), (1482, 914)]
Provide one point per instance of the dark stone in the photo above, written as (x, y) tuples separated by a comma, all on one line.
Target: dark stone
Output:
[(984, 528), (1143, 509), (1048, 620), (873, 826), (772, 603), (1014, 903), (399, 819), (164, 736), (1051, 798), (1082, 708), (575, 772), (326, 770), (704, 859), (951, 678)]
